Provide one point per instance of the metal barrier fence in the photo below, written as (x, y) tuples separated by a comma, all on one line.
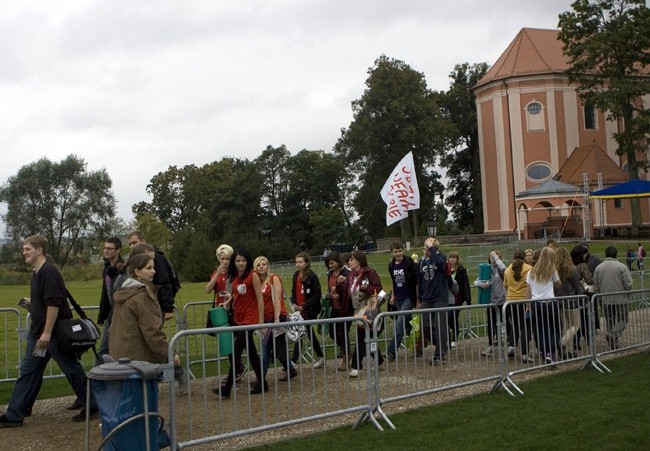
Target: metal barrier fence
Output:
[(11, 346), (313, 392), (556, 331), (12, 359), (624, 321)]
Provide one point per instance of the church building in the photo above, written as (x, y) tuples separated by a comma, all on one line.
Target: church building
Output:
[(542, 150)]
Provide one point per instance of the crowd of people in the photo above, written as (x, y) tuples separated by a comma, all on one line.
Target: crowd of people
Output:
[(137, 297), (553, 277)]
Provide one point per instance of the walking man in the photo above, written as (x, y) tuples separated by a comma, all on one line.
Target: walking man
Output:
[(612, 276), (433, 292), (48, 303), (113, 263), (404, 275), (162, 278)]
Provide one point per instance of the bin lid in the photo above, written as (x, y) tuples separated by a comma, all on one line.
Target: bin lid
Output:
[(125, 369)]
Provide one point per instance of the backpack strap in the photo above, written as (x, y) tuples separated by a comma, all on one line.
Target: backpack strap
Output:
[(76, 306)]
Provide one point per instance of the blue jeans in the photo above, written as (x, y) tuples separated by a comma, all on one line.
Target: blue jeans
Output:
[(275, 347), (399, 325), (31, 376)]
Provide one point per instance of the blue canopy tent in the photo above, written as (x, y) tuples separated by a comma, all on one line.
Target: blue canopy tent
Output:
[(625, 190)]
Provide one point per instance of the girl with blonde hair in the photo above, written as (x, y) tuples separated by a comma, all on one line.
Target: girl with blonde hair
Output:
[(542, 280), (274, 342)]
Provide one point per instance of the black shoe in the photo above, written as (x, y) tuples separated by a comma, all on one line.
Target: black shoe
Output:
[(5, 423), (437, 360), (257, 389), (81, 416), (76, 405), (221, 392), (290, 375)]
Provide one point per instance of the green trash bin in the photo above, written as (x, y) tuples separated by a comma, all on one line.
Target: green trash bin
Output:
[(219, 318)]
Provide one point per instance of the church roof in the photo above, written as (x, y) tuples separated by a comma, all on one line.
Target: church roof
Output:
[(533, 51), (592, 160), (550, 188)]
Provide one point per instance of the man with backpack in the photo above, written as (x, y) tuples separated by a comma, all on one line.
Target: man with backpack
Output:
[(48, 303), (165, 277)]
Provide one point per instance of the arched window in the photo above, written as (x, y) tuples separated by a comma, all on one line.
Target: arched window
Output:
[(535, 117), (538, 171)]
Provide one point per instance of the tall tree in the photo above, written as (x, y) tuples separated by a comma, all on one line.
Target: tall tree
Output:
[(608, 46), (460, 156), (62, 201), (272, 166), (171, 201), (395, 115)]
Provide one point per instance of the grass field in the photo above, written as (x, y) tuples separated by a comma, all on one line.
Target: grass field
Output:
[(568, 410)]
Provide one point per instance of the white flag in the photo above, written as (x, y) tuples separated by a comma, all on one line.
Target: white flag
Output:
[(400, 192)]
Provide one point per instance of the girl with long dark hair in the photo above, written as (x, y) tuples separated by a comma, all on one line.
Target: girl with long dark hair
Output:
[(305, 297), (247, 304)]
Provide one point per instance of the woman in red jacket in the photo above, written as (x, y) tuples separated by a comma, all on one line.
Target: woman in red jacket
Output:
[(362, 283)]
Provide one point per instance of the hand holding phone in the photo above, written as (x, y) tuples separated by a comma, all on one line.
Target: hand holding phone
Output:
[(25, 303)]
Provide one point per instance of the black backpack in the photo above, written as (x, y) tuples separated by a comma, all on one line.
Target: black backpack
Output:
[(173, 275)]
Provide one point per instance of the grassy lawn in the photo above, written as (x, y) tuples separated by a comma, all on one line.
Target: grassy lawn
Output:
[(569, 410)]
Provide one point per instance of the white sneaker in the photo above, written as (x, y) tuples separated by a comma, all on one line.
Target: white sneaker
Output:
[(319, 363), (489, 351), (526, 359), (511, 351), (353, 373), (452, 345)]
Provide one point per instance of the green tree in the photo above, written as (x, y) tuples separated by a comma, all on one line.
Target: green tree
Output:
[(155, 231), (272, 166), (63, 201), (460, 156), (172, 200), (396, 114), (607, 43)]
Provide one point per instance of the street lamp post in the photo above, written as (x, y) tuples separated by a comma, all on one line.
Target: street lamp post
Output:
[(432, 227)]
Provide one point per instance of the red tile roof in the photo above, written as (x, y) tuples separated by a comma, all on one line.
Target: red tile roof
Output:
[(592, 160), (533, 51)]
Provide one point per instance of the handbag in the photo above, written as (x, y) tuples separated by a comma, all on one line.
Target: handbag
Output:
[(295, 333), (77, 335)]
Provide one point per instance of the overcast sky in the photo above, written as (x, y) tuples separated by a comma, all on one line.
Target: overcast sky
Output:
[(136, 86)]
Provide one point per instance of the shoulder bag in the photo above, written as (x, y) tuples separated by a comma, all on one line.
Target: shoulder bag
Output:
[(77, 335)]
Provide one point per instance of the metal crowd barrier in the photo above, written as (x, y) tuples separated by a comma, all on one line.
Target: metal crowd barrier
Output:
[(416, 372), (624, 320), (566, 325), (52, 370), (313, 394), (10, 350)]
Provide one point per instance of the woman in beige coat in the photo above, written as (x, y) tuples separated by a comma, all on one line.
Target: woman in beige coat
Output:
[(136, 326)]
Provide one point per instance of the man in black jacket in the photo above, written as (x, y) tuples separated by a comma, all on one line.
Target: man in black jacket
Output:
[(162, 278), (113, 263), (404, 274)]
